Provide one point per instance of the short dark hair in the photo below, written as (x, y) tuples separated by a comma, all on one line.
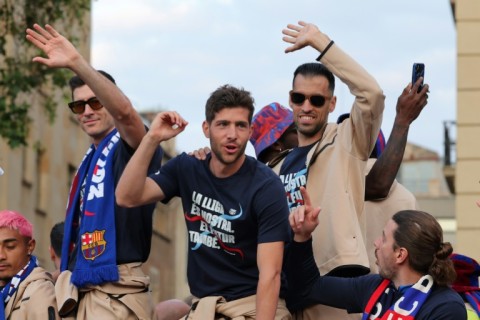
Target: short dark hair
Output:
[(228, 96), (422, 236), (76, 82), (312, 69), (56, 238)]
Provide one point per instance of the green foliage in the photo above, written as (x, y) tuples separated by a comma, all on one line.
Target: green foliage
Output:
[(19, 77)]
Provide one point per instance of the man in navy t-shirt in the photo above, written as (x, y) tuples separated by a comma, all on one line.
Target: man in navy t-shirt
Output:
[(234, 206)]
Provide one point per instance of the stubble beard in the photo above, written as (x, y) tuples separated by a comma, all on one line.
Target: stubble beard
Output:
[(309, 131), (223, 160)]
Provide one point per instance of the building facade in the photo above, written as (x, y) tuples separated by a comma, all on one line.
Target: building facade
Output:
[(467, 170)]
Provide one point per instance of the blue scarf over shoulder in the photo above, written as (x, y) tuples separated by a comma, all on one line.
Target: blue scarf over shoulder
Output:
[(93, 229), (381, 307), (11, 287)]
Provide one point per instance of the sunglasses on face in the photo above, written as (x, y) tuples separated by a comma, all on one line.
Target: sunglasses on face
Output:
[(316, 100), (78, 107)]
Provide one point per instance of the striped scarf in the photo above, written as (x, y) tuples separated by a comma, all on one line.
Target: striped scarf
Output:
[(95, 238), (11, 287), (405, 308)]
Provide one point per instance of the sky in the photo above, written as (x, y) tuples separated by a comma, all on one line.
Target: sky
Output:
[(171, 54)]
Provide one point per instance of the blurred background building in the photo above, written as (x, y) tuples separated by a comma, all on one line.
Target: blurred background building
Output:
[(466, 15)]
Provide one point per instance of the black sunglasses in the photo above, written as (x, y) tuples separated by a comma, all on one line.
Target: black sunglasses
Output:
[(299, 98), (78, 107)]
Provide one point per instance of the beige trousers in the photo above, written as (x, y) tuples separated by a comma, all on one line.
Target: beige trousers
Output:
[(215, 308), (129, 298), (322, 312)]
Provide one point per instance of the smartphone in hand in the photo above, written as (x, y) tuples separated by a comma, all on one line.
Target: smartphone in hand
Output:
[(417, 72)]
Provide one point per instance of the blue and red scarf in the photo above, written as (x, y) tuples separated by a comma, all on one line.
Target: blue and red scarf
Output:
[(11, 287), (404, 308), (93, 229)]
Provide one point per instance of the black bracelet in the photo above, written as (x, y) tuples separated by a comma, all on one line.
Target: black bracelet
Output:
[(325, 50)]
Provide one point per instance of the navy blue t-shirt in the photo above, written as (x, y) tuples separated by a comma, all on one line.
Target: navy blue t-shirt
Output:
[(133, 225), (293, 174), (226, 219)]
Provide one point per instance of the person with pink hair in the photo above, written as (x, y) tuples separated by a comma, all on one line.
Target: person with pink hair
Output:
[(27, 290)]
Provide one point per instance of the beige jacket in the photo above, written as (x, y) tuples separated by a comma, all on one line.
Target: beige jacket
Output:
[(34, 298), (128, 298), (336, 178)]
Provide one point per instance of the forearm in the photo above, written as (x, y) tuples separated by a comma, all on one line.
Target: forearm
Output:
[(131, 188), (269, 262), (384, 171), (268, 291), (105, 90), (360, 83), (302, 272), (367, 109), (62, 54), (127, 120)]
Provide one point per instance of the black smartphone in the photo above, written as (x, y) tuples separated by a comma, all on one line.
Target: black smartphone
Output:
[(417, 72)]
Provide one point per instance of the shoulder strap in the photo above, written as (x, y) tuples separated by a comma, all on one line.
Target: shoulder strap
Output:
[(277, 161)]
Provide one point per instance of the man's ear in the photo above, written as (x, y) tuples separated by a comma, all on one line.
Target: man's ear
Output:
[(332, 104), (206, 129), (277, 146), (402, 255), (31, 246), (52, 253)]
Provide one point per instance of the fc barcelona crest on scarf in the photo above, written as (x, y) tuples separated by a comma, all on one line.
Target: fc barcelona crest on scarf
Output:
[(93, 244)]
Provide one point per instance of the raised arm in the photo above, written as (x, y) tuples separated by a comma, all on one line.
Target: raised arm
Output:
[(306, 286), (62, 54), (383, 173), (367, 109), (300, 267), (135, 187)]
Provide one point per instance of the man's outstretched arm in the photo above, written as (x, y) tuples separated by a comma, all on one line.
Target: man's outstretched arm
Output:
[(135, 187), (62, 54), (383, 173)]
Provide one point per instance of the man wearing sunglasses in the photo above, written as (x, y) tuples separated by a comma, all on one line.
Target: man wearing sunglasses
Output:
[(104, 245), (330, 158)]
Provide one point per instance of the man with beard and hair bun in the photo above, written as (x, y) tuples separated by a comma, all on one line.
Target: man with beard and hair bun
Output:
[(415, 271)]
